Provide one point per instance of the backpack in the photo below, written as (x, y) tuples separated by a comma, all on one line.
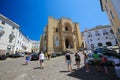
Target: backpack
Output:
[(67, 57), (77, 56)]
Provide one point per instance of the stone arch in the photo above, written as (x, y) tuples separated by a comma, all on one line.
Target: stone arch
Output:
[(67, 27), (69, 42)]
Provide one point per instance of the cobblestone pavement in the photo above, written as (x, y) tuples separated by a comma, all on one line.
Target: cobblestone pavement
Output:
[(55, 69)]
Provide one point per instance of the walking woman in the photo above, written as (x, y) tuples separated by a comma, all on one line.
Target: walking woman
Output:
[(27, 58), (77, 59), (85, 61), (68, 60)]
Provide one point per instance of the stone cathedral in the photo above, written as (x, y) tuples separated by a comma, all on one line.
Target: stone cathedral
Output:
[(60, 35)]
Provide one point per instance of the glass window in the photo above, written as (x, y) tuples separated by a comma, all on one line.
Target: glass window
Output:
[(108, 43), (118, 30), (3, 22), (105, 32), (45, 37), (13, 27), (111, 22), (106, 37), (111, 31), (97, 33), (112, 14), (100, 44), (89, 34)]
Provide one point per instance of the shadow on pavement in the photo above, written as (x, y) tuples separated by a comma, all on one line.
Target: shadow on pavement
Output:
[(37, 68), (24, 64), (93, 74), (64, 71)]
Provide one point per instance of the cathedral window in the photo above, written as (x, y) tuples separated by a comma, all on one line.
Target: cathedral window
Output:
[(56, 29), (66, 28)]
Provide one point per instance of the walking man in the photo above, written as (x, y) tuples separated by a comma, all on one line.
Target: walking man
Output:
[(68, 60), (41, 59)]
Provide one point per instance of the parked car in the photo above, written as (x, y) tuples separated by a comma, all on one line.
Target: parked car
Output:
[(53, 55), (34, 56), (22, 54), (16, 55), (2, 57), (108, 52)]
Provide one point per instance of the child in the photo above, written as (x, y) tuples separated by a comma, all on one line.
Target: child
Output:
[(28, 58)]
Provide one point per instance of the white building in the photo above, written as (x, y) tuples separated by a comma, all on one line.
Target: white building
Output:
[(22, 43), (35, 46), (98, 37), (11, 38), (8, 33)]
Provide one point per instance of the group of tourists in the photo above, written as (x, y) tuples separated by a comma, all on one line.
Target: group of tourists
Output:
[(98, 59), (68, 60), (77, 57)]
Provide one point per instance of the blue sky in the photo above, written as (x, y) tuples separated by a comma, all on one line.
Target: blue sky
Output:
[(32, 15)]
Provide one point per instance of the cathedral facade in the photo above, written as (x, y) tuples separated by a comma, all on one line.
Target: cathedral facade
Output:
[(60, 35)]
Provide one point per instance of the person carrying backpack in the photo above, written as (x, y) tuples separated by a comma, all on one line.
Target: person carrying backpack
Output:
[(77, 59), (68, 60)]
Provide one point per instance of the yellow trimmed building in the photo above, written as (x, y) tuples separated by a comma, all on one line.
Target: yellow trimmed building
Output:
[(60, 35)]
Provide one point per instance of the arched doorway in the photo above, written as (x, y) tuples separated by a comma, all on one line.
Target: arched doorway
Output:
[(108, 43), (66, 43), (100, 44)]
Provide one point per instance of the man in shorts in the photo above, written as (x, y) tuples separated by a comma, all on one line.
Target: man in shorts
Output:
[(68, 60), (41, 59)]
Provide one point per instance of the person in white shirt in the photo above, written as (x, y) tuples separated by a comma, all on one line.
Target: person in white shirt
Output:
[(41, 59)]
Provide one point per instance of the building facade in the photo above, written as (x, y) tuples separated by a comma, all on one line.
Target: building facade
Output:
[(59, 35), (11, 38), (8, 33), (22, 43), (98, 37), (112, 8), (35, 46)]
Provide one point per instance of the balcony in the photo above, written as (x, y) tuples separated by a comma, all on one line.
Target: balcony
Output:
[(11, 36)]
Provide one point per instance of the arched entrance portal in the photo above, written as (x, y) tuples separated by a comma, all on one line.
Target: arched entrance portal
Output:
[(67, 43)]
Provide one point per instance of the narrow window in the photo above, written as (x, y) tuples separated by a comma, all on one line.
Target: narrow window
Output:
[(56, 29), (112, 15), (66, 28), (3, 22)]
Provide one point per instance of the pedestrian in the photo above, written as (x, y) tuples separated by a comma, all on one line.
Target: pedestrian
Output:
[(41, 59), (104, 62), (68, 60), (96, 60), (27, 58), (77, 59), (46, 55), (116, 64), (86, 61)]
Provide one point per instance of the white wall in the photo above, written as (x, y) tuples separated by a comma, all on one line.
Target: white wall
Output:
[(102, 38)]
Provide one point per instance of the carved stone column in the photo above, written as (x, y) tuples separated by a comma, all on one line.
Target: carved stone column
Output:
[(74, 43)]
